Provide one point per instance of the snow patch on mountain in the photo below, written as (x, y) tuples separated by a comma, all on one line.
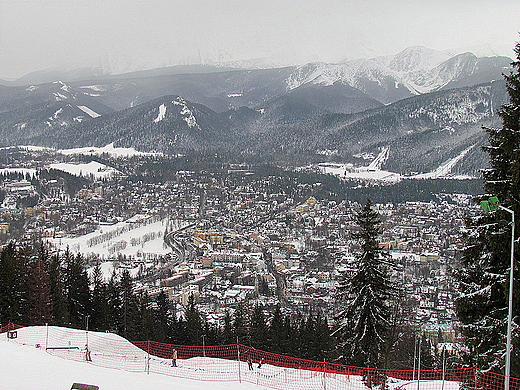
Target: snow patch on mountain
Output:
[(55, 120), (416, 58), (59, 96), (188, 115), (88, 111), (64, 86), (419, 69), (161, 114), (97, 88), (55, 115), (408, 67), (426, 80), (323, 74)]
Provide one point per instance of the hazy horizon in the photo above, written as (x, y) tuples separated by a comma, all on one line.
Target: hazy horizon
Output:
[(126, 35)]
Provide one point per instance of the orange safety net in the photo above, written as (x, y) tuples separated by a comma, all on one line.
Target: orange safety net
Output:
[(9, 327), (236, 362), (278, 371)]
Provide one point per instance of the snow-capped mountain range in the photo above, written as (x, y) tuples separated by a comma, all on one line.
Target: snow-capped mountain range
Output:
[(416, 70), (425, 106)]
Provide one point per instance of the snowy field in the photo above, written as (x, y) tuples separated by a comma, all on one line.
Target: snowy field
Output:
[(346, 172), (373, 172), (27, 367), (91, 150), (93, 168), (118, 364), (108, 149), (123, 238)]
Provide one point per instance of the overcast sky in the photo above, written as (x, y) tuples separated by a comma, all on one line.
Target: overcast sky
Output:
[(128, 34)]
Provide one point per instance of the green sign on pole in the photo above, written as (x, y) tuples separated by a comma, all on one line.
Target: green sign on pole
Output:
[(490, 205)]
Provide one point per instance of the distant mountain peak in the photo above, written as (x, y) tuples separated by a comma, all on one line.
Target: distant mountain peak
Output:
[(415, 70), (417, 58)]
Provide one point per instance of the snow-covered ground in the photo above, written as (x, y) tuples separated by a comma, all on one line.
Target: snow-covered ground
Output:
[(89, 111), (444, 169), (25, 367), (188, 115), (93, 168), (161, 114), (142, 240), (347, 172), (24, 171), (54, 358), (108, 149), (373, 172)]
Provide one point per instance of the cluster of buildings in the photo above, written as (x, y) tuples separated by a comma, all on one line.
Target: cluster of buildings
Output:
[(235, 237)]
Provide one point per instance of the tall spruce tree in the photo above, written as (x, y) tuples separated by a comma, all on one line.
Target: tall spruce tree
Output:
[(321, 344), (77, 289), (130, 321), (314, 337), (13, 285), (258, 328), (162, 318), (227, 335), (194, 323), (60, 311), (39, 295), (483, 275), (364, 321), (114, 318), (240, 325), (145, 327), (100, 303), (276, 332)]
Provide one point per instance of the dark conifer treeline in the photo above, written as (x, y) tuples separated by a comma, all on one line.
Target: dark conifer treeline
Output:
[(38, 288), (483, 275)]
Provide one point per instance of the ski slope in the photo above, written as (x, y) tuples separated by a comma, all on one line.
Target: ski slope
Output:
[(54, 358), (444, 170), (144, 240), (26, 367), (373, 171)]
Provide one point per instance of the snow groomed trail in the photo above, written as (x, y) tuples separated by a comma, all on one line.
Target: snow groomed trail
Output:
[(229, 363)]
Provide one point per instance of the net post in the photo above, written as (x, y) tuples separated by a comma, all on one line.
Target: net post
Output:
[(238, 357), (148, 358), (46, 335), (324, 376)]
